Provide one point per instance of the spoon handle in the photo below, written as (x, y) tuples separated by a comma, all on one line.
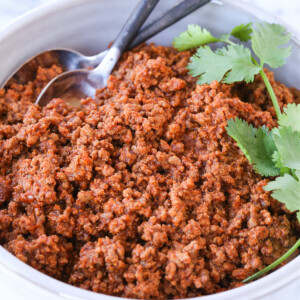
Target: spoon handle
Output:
[(166, 19), (127, 33), (134, 23)]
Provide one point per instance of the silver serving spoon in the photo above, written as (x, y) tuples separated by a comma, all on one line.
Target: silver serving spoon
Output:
[(73, 60), (64, 84), (82, 83)]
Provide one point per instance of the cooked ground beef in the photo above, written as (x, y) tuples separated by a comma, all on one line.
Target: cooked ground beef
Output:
[(140, 193)]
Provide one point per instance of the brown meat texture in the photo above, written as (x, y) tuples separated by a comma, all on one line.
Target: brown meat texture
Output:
[(140, 192)]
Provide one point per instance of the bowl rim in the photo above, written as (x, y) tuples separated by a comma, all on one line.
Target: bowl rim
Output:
[(51, 7), (284, 275), (254, 290)]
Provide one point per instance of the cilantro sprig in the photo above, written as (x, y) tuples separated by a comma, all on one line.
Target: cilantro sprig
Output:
[(234, 62), (272, 153), (195, 36)]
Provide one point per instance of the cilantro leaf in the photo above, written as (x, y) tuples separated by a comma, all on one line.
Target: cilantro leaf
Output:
[(276, 158), (243, 134), (228, 65), (286, 189), (288, 144), (291, 117), (242, 32), (193, 37), (265, 148), (266, 41), (256, 144)]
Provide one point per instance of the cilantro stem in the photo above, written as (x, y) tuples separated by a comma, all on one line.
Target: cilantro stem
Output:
[(229, 42), (271, 92), (274, 264), (266, 81)]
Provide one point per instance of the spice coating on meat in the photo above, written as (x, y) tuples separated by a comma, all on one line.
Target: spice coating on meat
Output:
[(140, 193)]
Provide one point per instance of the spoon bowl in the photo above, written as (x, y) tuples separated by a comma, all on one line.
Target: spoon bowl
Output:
[(73, 60), (75, 85), (78, 84), (70, 86)]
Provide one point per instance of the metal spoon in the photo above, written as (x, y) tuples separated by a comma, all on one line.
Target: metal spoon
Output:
[(72, 60), (82, 83)]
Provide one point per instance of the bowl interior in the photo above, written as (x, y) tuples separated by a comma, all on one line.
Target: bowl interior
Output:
[(89, 26)]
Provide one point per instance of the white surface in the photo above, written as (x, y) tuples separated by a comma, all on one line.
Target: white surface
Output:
[(12, 286)]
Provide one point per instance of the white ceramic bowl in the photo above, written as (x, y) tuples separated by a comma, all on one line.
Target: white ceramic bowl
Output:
[(88, 26)]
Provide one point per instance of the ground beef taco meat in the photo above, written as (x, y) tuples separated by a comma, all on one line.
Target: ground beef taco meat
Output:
[(140, 193)]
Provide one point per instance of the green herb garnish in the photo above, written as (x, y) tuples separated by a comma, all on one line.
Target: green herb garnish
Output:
[(229, 64), (195, 36), (257, 144), (272, 153)]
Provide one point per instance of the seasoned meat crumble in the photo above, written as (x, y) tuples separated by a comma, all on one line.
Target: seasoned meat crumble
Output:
[(140, 192)]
